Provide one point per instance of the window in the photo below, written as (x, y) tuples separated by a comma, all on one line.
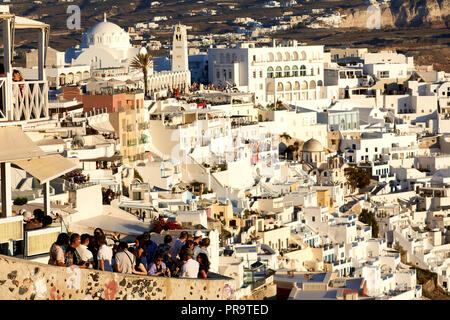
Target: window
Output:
[(254, 74), (260, 74), (278, 72), (270, 72), (295, 71), (218, 74), (302, 71), (287, 71), (376, 149), (367, 149)]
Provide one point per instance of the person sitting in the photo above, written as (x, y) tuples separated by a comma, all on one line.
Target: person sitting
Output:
[(204, 264), (104, 255), (125, 260), (191, 267), (57, 250), (139, 267), (31, 220), (47, 221), (158, 268)]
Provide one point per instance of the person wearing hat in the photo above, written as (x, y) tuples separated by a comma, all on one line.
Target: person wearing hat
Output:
[(31, 221), (198, 236), (190, 267)]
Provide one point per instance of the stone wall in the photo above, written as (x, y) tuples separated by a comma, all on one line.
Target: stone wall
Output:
[(24, 280)]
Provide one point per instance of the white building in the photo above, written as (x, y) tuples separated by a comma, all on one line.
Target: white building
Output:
[(290, 73), (104, 45)]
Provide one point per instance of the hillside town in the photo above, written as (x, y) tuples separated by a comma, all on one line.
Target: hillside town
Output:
[(273, 169)]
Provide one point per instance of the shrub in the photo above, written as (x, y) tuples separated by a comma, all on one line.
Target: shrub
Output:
[(20, 201)]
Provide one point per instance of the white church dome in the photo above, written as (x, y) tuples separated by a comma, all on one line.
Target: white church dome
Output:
[(106, 34)]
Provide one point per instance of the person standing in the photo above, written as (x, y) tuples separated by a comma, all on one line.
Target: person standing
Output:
[(175, 249), (83, 251), (202, 248), (57, 250), (104, 255), (204, 264), (125, 260), (191, 267)]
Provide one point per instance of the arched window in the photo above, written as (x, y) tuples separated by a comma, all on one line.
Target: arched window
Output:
[(303, 55), (295, 56), (288, 86), (302, 71), (269, 72), (295, 71), (319, 83), (271, 57), (279, 56), (280, 86), (296, 85), (287, 71), (304, 85), (312, 84), (278, 72), (287, 56)]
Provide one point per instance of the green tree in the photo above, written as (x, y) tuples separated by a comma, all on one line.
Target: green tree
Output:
[(368, 217), (142, 62), (357, 177)]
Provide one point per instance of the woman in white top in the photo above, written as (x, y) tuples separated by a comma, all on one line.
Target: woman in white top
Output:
[(104, 255)]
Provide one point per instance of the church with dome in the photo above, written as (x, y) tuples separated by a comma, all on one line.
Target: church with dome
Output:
[(107, 49), (104, 45)]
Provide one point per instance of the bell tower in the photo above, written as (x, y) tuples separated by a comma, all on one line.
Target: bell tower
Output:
[(179, 48)]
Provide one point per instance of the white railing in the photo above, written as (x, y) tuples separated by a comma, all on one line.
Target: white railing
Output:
[(30, 100)]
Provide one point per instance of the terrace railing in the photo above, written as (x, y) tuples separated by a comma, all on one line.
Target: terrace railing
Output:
[(30, 100)]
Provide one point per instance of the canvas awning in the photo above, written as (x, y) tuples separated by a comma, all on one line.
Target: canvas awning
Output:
[(48, 167), (16, 145)]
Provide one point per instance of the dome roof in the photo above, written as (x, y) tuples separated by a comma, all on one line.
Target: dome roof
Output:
[(312, 145), (105, 27), (106, 34)]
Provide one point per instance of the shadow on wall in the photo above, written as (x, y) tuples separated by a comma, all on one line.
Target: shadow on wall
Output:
[(25, 280)]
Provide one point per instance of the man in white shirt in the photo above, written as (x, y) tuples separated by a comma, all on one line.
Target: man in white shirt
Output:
[(84, 252), (125, 260), (104, 255), (190, 267)]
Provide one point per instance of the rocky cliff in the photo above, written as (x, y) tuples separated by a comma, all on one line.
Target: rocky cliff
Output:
[(399, 13)]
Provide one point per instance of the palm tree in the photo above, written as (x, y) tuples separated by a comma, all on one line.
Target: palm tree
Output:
[(141, 62)]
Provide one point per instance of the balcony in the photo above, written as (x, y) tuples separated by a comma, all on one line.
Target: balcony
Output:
[(24, 100)]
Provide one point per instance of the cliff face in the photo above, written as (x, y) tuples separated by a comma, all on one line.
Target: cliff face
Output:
[(398, 13)]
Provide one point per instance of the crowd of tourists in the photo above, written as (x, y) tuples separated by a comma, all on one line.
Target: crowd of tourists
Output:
[(186, 257)]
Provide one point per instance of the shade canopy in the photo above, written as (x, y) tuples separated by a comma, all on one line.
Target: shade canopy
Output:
[(48, 167), (16, 145)]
